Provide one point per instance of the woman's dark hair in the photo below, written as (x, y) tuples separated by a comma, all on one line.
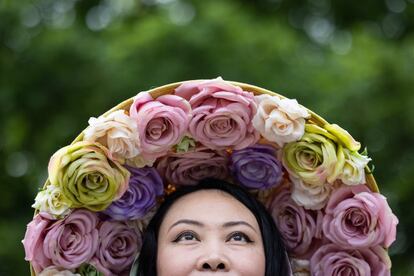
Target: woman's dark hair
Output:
[(274, 249)]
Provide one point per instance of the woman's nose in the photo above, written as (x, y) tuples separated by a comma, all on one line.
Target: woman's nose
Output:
[(213, 262)]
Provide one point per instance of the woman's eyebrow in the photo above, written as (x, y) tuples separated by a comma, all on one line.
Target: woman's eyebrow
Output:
[(186, 221), (236, 223), (199, 224)]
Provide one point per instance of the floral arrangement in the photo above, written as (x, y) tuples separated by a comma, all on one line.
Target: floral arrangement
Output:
[(104, 187)]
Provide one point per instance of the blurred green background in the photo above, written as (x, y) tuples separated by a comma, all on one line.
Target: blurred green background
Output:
[(63, 61)]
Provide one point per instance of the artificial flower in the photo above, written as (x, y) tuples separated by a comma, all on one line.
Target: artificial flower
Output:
[(256, 167), (190, 167), (279, 120), (331, 259), (222, 113), (116, 131), (145, 184), (162, 122), (358, 218), (87, 175), (53, 201)]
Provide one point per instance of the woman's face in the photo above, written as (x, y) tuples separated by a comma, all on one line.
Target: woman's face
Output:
[(209, 232)]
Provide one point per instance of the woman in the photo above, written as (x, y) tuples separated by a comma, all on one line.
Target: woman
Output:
[(212, 228)]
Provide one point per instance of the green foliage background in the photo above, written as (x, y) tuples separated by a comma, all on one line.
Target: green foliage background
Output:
[(63, 61)]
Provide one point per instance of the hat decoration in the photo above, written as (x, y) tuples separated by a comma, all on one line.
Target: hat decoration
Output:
[(311, 175)]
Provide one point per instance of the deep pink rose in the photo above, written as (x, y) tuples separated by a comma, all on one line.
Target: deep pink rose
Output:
[(190, 167), (73, 240), (34, 239), (222, 113), (332, 260), (161, 122), (300, 228), (358, 218), (118, 246)]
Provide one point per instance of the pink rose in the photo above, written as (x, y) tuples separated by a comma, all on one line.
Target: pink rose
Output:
[(331, 260), (190, 167), (34, 239), (161, 122), (73, 240), (222, 113), (358, 218), (117, 249), (300, 228)]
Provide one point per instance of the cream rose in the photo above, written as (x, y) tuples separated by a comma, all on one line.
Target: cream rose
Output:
[(53, 201), (56, 271), (117, 131), (354, 168), (279, 120), (310, 196)]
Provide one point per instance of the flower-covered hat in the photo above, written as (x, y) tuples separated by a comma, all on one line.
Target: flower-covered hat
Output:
[(311, 175)]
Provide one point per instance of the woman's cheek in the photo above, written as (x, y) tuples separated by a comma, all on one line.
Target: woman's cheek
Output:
[(177, 261), (248, 262)]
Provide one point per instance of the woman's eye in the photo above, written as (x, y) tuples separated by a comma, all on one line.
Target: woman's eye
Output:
[(186, 236), (239, 237)]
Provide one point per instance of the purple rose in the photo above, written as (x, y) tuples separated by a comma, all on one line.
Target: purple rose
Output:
[(190, 167), (300, 228), (145, 184), (358, 218), (332, 260), (73, 240), (256, 167), (118, 246)]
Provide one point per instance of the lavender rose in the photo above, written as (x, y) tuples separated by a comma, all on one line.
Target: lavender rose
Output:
[(145, 184), (161, 122), (73, 240), (332, 260), (256, 167), (190, 167), (358, 218), (300, 228), (117, 248), (34, 239), (222, 113)]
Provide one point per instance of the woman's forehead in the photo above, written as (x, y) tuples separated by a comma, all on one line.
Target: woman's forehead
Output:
[(209, 206)]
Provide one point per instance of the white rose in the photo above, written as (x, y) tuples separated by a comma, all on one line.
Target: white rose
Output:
[(354, 168), (300, 267), (139, 161), (310, 196), (55, 271), (52, 201), (279, 120), (116, 131)]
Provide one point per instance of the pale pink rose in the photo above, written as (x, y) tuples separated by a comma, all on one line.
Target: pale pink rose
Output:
[(116, 131), (279, 120), (358, 218), (310, 196), (332, 260), (34, 239), (56, 271), (72, 241), (118, 246), (300, 228), (161, 122), (222, 113), (190, 167)]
